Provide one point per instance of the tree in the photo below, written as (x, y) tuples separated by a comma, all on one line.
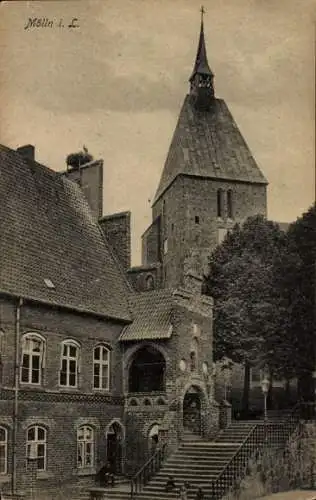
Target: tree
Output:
[(243, 282), (298, 274)]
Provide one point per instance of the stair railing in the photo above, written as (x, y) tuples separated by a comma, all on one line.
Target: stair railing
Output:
[(260, 435), (145, 473), (237, 463)]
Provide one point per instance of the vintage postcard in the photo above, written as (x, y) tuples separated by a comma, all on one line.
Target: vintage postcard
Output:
[(157, 250)]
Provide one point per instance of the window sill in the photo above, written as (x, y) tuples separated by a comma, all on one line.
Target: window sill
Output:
[(90, 471)]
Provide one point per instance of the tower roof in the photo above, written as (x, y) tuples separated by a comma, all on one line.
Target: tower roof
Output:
[(201, 65), (208, 145)]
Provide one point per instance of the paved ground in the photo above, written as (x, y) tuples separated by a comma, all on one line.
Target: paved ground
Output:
[(292, 495)]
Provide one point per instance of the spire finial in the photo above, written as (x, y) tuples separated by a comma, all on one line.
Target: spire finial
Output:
[(202, 10)]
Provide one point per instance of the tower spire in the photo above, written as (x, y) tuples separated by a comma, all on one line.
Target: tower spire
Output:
[(201, 65), (201, 80)]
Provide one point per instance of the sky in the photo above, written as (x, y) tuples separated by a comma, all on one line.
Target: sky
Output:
[(117, 82)]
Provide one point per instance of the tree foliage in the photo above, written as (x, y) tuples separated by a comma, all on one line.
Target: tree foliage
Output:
[(263, 283), (242, 282), (298, 277)]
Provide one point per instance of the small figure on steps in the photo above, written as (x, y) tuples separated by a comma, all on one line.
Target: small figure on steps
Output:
[(183, 492), (106, 476), (170, 484), (199, 494)]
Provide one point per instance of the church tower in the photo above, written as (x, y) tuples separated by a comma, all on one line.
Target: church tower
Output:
[(210, 182)]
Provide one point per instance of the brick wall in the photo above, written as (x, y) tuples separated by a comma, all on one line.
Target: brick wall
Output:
[(90, 179), (117, 229), (151, 245), (145, 278), (189, 221), (59, 410), (55, 326), (188, 310)]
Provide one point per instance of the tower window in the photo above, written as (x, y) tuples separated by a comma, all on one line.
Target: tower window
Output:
[(197, 219), (230, 213), (219, 203)]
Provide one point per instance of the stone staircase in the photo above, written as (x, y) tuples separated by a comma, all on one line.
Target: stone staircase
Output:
[(196, 461), (205, 463)]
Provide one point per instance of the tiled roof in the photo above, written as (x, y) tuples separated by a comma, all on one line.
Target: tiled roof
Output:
[(208, 144), (47, 233), (152, 313)]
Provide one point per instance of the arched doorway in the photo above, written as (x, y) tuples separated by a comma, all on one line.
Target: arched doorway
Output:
[(192, 404), (153, 438), (114, 446), (147, 371)]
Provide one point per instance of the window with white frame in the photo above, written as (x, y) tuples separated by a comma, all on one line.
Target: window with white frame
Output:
[(3, 450), (69, 364), (36, 445), (101, 367), (85, 447), (32, 361)]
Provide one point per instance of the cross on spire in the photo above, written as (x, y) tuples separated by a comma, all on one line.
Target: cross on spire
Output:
[(202, 10)]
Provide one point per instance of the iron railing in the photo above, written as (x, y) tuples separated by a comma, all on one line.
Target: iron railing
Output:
[(141, 478), (262, 434)]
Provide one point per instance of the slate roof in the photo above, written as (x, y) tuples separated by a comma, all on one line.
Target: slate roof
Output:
[(47, 232), (208, 144), (152, 313)]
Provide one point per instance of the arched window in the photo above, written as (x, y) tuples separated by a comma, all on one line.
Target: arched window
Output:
[(101, 367), (32, 362), (85, 447), (230, 213), (147, 371), (36, 445), (3, 450), (69, 364), (219, 203)]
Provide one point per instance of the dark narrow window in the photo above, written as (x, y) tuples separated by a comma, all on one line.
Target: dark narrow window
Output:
[(230, 214), (197, 219), (219, 203)]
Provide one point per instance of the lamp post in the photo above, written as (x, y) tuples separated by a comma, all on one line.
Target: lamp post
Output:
[(265, 382)]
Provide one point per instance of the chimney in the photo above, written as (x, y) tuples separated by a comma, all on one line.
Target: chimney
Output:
[(27, 151), (117, 230), (90, 178)]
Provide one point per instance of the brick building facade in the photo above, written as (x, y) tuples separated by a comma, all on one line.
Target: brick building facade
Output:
[(99, 360)]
